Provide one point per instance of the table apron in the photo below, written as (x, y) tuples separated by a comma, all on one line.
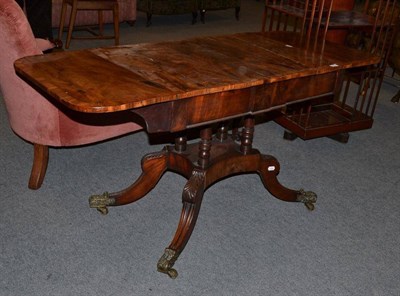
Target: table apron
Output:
[(195, 111)]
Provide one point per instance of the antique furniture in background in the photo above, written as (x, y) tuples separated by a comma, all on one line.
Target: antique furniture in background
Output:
[(33, 117), (303, 16), (338, 35), (173, 7), (93, 5), (373, 30), (206, 5), (168, 7), (127, 13)]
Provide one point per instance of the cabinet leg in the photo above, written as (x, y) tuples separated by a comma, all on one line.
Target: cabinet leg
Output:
[(341, 137), (289, 135), (194, 17), (148, 19), (237, 12)]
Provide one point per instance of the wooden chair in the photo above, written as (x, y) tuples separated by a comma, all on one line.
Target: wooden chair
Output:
[(308, 17), (100, 6), (352, 106)]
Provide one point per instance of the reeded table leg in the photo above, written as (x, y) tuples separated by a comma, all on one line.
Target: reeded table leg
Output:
[(191, 198)]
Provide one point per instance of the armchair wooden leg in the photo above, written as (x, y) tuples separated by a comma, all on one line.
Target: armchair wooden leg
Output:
[(62, 20), (39, 167), (116, 24), (71, 25)]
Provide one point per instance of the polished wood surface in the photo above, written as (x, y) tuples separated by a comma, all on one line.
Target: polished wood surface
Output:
[(178, 85), (132, 76)]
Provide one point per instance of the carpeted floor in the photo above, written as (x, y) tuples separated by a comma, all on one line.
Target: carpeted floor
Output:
[(245, 242)]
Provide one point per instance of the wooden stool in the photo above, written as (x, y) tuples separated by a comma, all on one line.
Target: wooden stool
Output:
[(98, 5)]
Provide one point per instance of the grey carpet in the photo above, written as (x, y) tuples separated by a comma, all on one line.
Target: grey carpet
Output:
[(245, 242)]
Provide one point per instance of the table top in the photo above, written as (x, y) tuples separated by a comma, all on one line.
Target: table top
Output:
[(125, 77)]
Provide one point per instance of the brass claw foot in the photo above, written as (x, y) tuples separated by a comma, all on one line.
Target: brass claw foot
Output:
[(166, 262), (100, 202), (309, 198)]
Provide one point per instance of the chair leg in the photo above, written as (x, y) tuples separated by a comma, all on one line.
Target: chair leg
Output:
[(62, 20), (116, 24), (39, 167), (237, 12), (148, 19), (264, 19), (202, 15), (194, 17), (71, 25), (100, 19)]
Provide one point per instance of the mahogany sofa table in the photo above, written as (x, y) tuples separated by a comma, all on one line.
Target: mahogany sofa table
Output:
[(174, 86)]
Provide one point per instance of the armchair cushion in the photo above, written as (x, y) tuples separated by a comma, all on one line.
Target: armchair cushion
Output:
[(33, 117)]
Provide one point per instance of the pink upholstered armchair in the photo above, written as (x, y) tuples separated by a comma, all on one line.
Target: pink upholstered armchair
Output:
[(34, 118)]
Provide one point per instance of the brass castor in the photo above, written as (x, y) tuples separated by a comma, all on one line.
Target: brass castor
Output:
[(166, 262), (309, 198), (103, 211), (101, 202), (310, 206)]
